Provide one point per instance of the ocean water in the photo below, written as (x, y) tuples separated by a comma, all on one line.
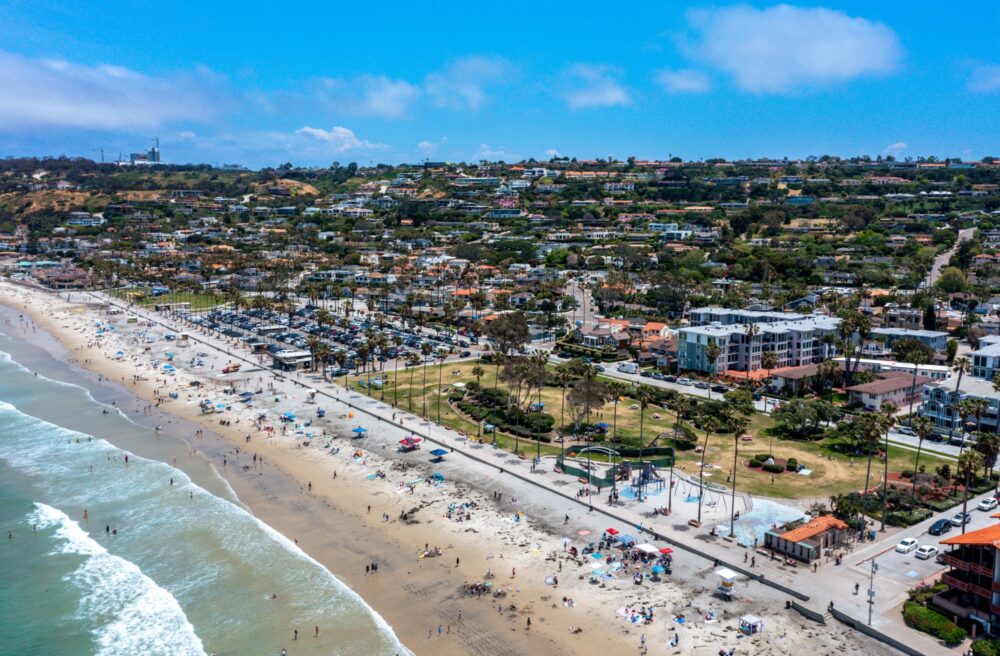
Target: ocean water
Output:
[(188, 572)]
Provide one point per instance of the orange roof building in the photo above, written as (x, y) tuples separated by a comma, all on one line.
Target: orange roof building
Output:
[(973, 575), (807, 542)]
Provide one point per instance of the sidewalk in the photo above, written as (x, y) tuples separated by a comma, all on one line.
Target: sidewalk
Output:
[(814, 590)]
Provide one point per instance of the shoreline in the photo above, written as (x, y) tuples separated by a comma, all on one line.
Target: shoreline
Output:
[(331, 524)]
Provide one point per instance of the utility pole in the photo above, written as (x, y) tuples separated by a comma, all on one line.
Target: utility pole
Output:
[(871, 591)]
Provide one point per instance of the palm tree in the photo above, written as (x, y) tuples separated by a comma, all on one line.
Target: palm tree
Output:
[(751, 332), (710, 423), (969, 463), (441, 358), (887, 417), (739, 424), (643, 396), (411, 361), (313, 345), (962, 366), (425, 350), (924, 428), (712, 353), (397, 341), (340, 357), (323, 354), (988, 445), (564, 375), (768, 360), (867, 431)]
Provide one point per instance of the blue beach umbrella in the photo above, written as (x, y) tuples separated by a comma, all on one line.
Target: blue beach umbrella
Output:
[(359, 430), (658, 569)]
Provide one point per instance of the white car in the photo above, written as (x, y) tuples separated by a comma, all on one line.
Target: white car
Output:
[(907, 545), (961, 518), (987, 504), (927, 551)]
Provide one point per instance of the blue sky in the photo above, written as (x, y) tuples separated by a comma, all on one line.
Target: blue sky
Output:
[(316, 82)]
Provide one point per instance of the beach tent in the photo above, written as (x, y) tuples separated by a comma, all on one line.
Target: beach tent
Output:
[(647, 549), (751, 624), (626, 540), (658, 569), (288, 416)]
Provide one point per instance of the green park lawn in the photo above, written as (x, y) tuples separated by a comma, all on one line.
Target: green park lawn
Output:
[(832, 471)]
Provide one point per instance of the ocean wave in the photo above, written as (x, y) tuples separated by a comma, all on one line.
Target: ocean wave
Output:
[(131, 614)]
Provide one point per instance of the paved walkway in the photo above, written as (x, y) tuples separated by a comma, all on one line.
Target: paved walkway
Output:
[(831, 584)]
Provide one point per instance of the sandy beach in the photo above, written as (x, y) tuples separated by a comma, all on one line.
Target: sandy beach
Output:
[(350, 502)]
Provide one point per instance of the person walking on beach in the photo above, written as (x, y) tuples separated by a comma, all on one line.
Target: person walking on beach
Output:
[(316, 635), (296, 635)]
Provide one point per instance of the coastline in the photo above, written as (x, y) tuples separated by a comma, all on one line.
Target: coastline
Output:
[(332, 524)]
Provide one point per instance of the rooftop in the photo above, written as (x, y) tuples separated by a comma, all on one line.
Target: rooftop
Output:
[(812, 528), (983, 537)]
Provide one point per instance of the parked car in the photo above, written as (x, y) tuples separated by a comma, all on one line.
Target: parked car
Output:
[(961, 518), (465, 354), (721, 389), (683, 381), (939, 527), (905, 430), (701, 384), (926, 551), (907, 545), (988, 504), (670, 379)]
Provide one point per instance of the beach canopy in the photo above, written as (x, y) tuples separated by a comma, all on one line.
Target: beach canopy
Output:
[(359, 430), (289, 415), (407, 441), (440, 453), (666, 550), (612, 531), (647, 548), (626, 539)]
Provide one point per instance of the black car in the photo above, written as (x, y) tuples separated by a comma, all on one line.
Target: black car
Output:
[(940, 527), (721, 389)]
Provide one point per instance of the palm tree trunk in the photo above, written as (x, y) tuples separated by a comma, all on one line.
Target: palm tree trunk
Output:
[(395, 384), (965, 501), (440, 371), (732, 510), (410, 391), (424, 392), (868, 474), (916, 468), (701, 475), (885, 482), (642, 417)]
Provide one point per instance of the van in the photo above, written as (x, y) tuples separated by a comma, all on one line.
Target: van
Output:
[(628, 367)]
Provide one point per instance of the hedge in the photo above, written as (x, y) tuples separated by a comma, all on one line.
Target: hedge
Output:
[(792, 465), (985, 647), (932, 622), (755, 463), (773, 468), (907, 518)]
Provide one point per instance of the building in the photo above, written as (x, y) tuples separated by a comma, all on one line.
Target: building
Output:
[(932, 371), (939, 402), (986, 360), (972, 577), (935, 339), (806, 542), (903, 317), (799, 342), (892, 387)]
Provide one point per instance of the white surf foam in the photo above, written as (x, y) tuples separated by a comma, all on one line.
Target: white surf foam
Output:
[(129, 612)]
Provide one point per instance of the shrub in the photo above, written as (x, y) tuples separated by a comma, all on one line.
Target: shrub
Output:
[(906, 473), (773, 468), (984, 648), (755, 463), (761, 457), (792, 465), (909, 517), (932, 622)]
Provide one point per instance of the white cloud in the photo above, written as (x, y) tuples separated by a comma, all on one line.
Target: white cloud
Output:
[(895, 149), (52, 93), (493, 154), (551, 152), (337, 139), (595, 86), (985, 78), (367, 95), (683, 81), (462, 84), (782, 48), (428, 147)]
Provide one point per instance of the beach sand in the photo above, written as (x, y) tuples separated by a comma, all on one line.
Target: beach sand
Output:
[(322, 499)]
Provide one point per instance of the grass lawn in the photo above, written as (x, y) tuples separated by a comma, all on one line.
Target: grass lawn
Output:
[(829, 476), (197, 300)]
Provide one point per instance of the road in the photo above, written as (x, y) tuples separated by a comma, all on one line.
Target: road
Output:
[(941, 260)]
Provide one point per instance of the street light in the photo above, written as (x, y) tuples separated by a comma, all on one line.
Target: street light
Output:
[(871, 591)]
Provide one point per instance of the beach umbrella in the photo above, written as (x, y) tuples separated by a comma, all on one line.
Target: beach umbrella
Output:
[(439, 454), (359, 430), (666, 550), (612, 531)]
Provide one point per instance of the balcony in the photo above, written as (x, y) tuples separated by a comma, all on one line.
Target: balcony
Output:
[(966, 586), (956, 561)]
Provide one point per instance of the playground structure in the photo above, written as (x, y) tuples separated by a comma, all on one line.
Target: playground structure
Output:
[(638, 476)]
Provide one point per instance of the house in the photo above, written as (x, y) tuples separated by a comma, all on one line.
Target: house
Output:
[(893, 387), (935, 339), (940, 402), (986, 359), (973, 575), (794, 380), (808, 541)]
